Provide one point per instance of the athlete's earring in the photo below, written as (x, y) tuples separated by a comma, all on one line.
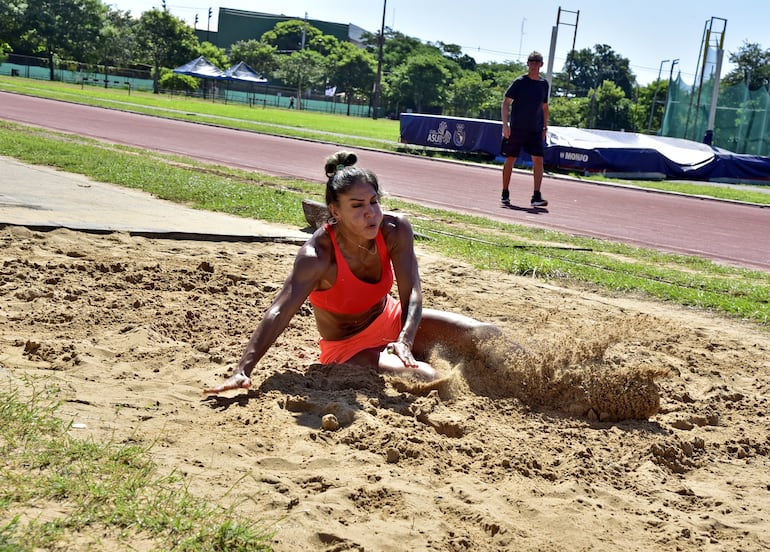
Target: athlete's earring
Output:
[(332, 220)]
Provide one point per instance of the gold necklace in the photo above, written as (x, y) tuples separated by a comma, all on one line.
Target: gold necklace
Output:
[(369, 251)]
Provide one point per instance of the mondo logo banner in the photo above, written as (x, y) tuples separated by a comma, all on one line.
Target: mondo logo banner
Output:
[(574, 156)]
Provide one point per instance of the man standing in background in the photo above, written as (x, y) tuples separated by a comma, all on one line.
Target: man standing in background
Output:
[(525, 122)]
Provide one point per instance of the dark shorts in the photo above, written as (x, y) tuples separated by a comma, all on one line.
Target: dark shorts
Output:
[(531, 142)]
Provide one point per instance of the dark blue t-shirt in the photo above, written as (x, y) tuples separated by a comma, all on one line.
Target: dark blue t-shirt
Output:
[(528, 98)]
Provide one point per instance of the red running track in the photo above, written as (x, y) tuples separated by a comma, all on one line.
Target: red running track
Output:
[(730, 233)]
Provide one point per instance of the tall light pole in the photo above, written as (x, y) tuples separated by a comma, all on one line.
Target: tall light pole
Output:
[(377, 83), (655, 95)]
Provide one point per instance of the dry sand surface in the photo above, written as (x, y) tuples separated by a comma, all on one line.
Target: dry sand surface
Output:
[(629, 425)]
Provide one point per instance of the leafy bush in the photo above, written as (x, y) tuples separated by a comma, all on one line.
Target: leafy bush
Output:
[(181, 83)]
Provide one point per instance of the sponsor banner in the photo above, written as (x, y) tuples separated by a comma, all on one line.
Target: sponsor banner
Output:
[(592, 150), (455, 133)]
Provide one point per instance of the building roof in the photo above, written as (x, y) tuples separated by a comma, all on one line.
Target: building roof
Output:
[(236, 25)]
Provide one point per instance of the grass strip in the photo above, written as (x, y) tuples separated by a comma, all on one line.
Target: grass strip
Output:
[(485, 244), (111, 490)]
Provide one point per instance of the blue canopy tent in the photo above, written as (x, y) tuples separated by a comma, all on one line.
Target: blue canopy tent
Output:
[(242, 73), (201, 68)]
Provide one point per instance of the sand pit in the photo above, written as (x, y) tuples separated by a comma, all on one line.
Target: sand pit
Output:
[(627, 424)]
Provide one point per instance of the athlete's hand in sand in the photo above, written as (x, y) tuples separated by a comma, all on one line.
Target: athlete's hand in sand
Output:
[(403, 352), (236, 381), (397, 358)]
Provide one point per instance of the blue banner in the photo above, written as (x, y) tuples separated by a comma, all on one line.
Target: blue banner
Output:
[(622, 154), (455, 133)]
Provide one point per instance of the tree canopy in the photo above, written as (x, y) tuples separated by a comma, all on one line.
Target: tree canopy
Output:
[(49, 29), (166, 40), (257, 54), (752, 66)]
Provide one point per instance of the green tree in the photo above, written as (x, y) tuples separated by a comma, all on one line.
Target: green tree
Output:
[(352, 70), (398, 48), (752, 66), (68, 29), (645, 116), (12, 13), (214, 54), (119, 42), (467, 95), (167, 41), (610, 109), (455, 53), (588, 69), (499, 76), (293, 35), (568, 112), (324, 44), (301, 70), (420, 83), (257, 54)]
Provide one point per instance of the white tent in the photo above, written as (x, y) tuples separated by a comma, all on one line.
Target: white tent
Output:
[(242, 72), (200, 67)]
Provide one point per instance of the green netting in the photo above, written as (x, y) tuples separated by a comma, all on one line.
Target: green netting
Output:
[(741, 122)]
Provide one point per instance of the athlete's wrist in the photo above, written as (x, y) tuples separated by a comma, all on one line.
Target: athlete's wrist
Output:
[(405, 341)]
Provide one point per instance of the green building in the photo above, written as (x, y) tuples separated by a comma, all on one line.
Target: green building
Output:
[(237, 25)]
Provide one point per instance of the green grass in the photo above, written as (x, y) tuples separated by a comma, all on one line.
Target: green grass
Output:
[(110, 491), (382, 133), (749, 193), (338, 129), (486, 244)]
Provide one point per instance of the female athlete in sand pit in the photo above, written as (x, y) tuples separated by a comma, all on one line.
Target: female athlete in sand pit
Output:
[(346, 269)]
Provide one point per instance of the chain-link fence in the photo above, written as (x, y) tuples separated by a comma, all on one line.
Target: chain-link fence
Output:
[(140, 79), (741, 119)]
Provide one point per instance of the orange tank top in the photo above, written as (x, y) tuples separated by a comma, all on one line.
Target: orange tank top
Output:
[(349, 294)]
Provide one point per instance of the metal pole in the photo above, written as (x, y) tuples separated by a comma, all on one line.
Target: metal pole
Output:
[(551, 54), (668, 93), (377, 83), (208, 26), (740, 142), (715, 93), (571, 58), (304, 34), (763, 136), (703, 49), (655, 95), (552, 51), (715, 85), (671, 72)]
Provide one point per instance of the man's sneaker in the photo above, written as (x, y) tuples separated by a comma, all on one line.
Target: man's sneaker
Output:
[(537, 200), (506, 197)]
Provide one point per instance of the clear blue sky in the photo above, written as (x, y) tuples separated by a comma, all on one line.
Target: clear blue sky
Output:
[(647, 33)]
